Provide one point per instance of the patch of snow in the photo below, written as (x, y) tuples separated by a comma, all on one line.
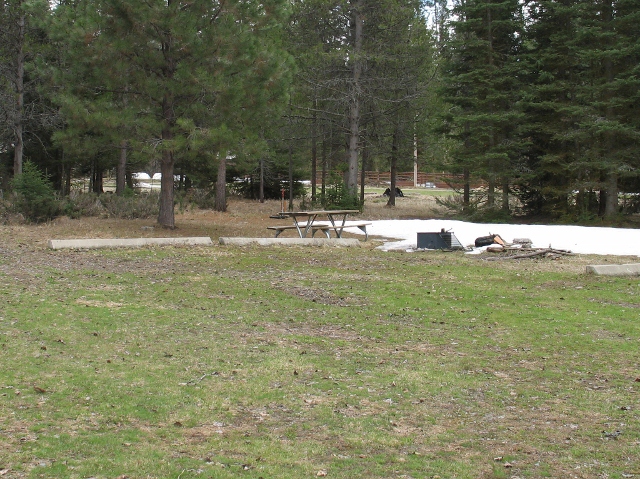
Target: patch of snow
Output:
[(578, 239)]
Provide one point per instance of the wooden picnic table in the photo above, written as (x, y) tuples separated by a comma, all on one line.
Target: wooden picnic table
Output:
[(306, 221)]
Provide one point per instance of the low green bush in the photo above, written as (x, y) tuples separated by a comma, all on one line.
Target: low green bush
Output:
[(337, 196), (34, 196)]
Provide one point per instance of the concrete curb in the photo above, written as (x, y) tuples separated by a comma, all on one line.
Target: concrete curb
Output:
[(128, 242), (615, 269), (240, 241)]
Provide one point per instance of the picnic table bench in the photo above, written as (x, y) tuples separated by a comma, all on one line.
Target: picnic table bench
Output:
[(337, 223), (325, 228)]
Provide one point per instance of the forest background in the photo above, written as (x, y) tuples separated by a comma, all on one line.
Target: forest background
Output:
[(535, 101)]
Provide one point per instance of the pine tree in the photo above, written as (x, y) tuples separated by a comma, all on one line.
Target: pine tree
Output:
[(361, 70), (482, 82), (23, 111), (608, 94), (553, 71), (399, 70), (583, 63), (193, 73)]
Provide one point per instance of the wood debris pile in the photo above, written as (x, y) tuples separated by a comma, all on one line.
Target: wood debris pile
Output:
[(520, 248), (549, 253)]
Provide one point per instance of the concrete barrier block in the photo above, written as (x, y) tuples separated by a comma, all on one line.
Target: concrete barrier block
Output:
[(243, 241), (614, 269), (128, 242)]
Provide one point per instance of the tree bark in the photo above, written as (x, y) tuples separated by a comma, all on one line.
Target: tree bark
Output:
[(166, 216), (221, 184), (611, 198), (314, 154), (121, 169), (466, 194), (261, 186), (354, 109), (611, 185), (18, 127), (394, 168)]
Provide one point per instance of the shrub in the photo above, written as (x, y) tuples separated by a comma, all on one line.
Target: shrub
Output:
[(337, 196), (79, 204), (35, 197), (144, 205), (203, 198), (250, 188)]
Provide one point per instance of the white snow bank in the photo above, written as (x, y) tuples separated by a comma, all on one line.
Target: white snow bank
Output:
[(578, 239)]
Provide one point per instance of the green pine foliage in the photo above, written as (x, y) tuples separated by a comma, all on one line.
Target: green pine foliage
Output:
[(536, 100), (483, 83), (179, 81), (553, 66), (583, 64), (545, 108), (34, 196)]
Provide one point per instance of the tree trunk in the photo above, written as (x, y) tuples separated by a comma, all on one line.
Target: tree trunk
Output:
[(67, 179), (325, 165), (314, 155), (221, 184), (415, 157), (466, 194), (290, 154), (18, 151), (92, 175), (394, 168), (98, 181), (505, 196), (354, 109), (261, 187), (491, 193), (363, 170), (121, 169), (166, 216), (611, 198)]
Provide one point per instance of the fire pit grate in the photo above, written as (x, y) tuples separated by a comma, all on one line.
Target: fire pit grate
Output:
[(440, 240)]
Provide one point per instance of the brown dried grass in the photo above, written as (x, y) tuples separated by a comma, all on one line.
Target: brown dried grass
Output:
[(242, 218)]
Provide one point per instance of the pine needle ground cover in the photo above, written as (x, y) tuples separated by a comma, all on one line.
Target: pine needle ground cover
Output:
[(295, 362)]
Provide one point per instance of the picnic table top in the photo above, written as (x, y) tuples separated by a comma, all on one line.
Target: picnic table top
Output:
[(319, 212)]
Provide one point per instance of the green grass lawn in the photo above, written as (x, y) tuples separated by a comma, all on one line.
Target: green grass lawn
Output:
[(288, 363)]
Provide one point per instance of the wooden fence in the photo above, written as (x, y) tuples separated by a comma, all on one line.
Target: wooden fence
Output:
[(405, 179)]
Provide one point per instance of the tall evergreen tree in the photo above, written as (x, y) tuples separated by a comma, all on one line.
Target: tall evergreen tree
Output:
[(482, 82), (23, 110), (553, 72), (361, 64), (583, 63), (608, 94), (399, 72), (193, 72)]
